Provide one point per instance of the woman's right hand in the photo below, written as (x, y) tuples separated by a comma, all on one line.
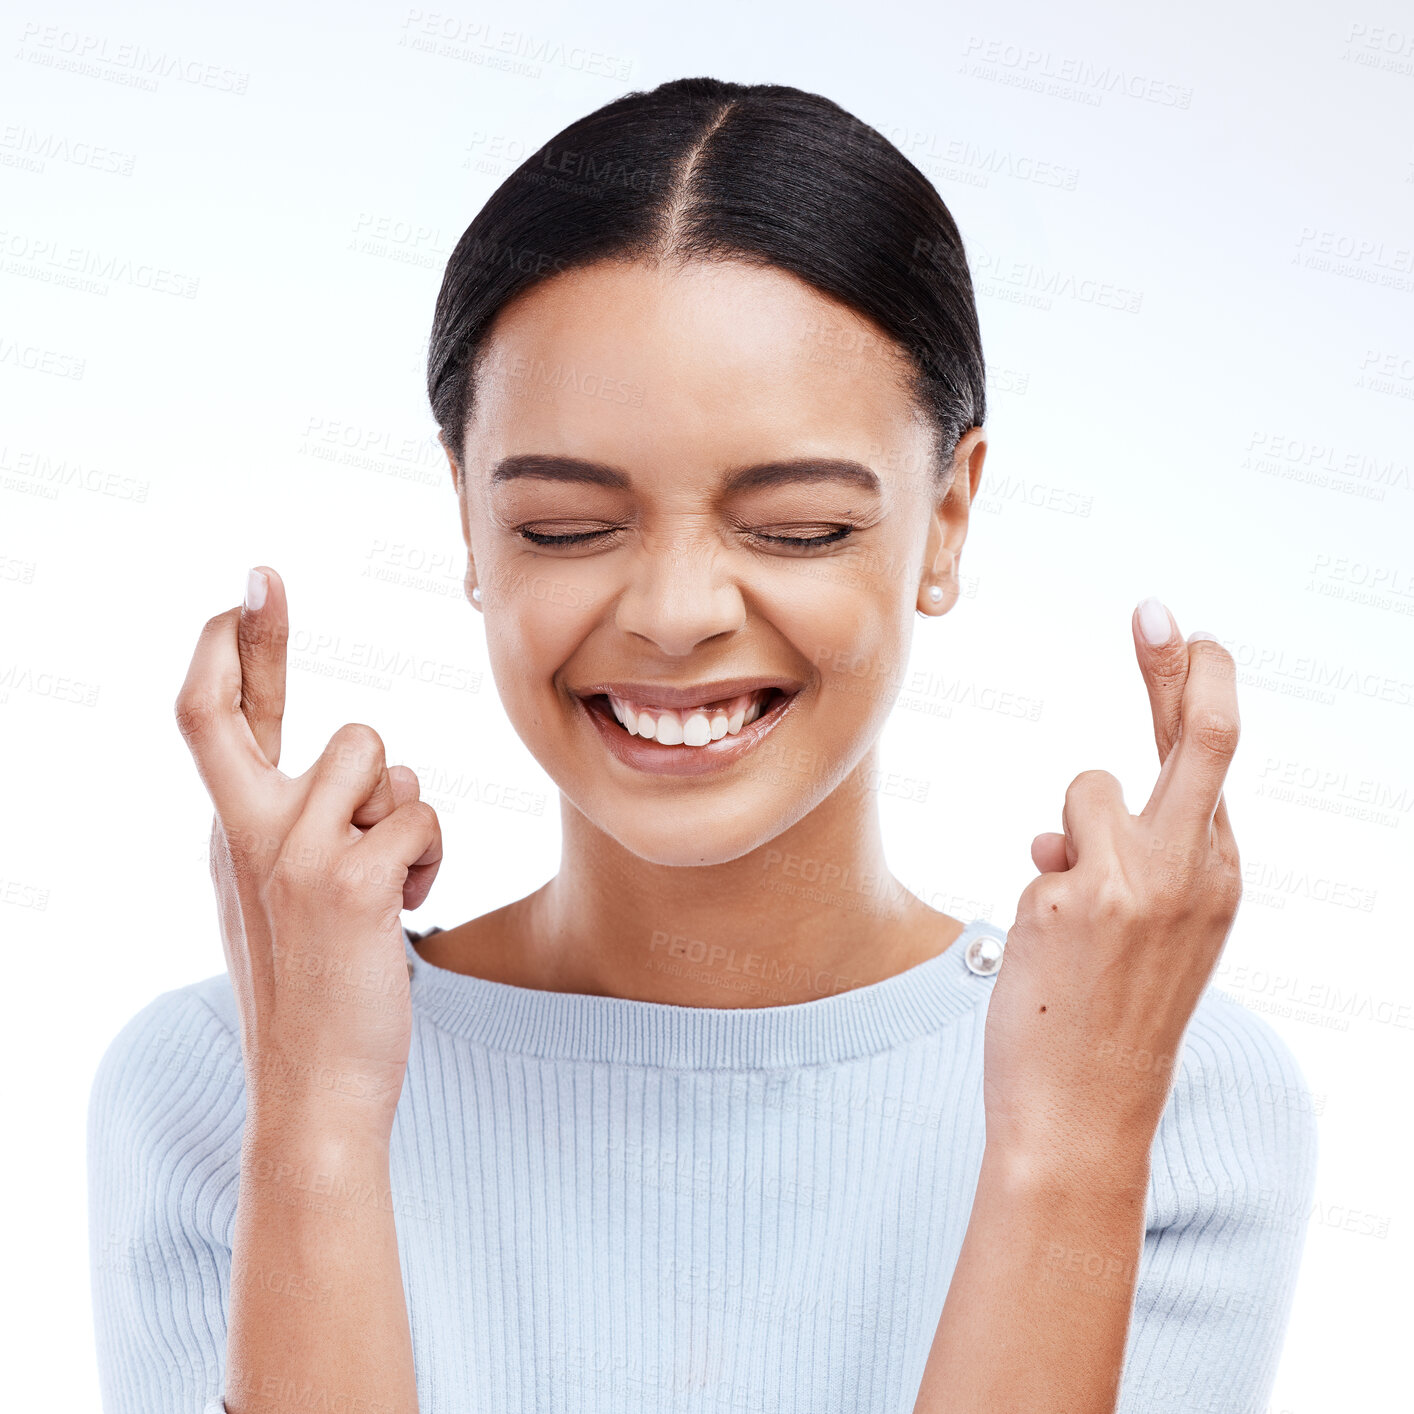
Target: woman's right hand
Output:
[(311, 876)]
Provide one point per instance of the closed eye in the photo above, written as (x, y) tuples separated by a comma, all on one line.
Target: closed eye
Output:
[(537, 538), (795, 542), (808, 541)]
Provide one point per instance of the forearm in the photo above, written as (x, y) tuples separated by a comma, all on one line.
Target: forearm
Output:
[(317, 1308), (1037, 1313)]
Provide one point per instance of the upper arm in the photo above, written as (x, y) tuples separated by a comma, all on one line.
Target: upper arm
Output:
[(1232, 1178), (165, 1114)]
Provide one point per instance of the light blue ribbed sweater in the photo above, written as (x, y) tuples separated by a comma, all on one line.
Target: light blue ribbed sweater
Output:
[(616, 1206)]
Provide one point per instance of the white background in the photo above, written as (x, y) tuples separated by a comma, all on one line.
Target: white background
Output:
[(1237, 441)]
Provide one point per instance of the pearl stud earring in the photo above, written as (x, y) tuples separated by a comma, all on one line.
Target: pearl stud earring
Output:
[(476, 592), (935, 593)]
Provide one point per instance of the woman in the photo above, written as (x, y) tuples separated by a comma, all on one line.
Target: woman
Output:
[(720, 1117)]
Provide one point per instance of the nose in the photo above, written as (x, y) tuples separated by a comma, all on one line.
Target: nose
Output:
[(677, 596)]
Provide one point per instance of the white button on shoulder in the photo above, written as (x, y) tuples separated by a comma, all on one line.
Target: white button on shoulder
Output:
[(984, 954)]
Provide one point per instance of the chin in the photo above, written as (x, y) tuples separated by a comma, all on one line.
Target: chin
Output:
[(674, 846)]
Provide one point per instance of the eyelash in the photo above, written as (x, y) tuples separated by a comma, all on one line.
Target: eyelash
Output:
[(840, 533)]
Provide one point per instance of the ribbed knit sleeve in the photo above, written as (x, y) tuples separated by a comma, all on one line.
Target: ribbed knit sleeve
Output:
[(164, 1128), (1232, 1181), (625, 1207)]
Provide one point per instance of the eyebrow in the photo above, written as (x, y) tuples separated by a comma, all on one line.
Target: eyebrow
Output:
[(746, 478)]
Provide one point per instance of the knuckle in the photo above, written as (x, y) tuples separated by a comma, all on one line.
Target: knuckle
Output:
[(1112, 900), (1044, 895), (1093, 778), (194, 713), (261, 638), (1225, 887), (1089, 785), (357, 741), (1171, 667), (354, 752), (1215, 730), (1233, 859)]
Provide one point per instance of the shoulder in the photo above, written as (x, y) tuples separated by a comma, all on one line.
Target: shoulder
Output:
[(1239, 1131), (198, 1018), (1226, 1037), (166, 1114), (171, 1076), (1232, 1175)]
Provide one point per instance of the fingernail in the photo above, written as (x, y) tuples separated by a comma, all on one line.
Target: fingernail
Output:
[(1202, 633), (1154, 621), (254, 590)]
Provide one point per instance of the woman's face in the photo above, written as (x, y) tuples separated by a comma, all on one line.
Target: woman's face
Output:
[(689, 426)]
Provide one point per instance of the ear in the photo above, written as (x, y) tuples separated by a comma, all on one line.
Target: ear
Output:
[(451, 462), (947, 528), (469, 579)]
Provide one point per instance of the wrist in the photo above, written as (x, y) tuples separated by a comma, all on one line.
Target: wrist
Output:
[(1114, 1167), (300, 1122), (292, 1095), (299, 1184)]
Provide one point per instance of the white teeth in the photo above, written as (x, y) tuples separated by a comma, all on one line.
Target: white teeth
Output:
[(696, 727), (697, 731)]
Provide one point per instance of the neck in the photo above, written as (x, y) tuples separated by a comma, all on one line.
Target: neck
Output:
[(812, 912)]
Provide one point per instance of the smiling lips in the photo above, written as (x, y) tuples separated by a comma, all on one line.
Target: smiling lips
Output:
[(691, 726)]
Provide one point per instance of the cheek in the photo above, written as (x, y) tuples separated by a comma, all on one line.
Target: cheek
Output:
[(855, 638), (533, 626)]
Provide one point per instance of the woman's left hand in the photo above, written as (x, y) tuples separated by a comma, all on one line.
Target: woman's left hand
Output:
[(1116, 939), (1111, 949)]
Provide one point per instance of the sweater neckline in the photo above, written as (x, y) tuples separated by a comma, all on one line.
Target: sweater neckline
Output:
[(623, 1030)]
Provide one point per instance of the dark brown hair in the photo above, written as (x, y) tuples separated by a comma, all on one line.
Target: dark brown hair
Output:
[(704, 169)]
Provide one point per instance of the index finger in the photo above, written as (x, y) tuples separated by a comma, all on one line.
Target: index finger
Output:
[(1164, 657), (209, 716), (1188, 792)]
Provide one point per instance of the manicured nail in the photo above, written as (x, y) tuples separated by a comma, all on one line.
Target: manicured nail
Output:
[(1154, 621), (1202, 633), (254, 590)]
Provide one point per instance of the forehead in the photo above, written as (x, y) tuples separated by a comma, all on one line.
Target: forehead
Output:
[(711, 364)]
